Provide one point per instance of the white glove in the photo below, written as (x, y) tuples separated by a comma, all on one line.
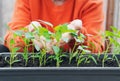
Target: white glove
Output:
[(32, 24), (49, 46), (75, 24), (40, 41)]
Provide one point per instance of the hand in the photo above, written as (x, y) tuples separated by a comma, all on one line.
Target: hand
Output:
[(49, 46), (75, 24), (39, 41), (38, 23), (32, 24), (42, 43), (66, 38)]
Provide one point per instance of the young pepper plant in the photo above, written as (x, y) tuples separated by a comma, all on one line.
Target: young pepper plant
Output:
[(42, 32), (13, 52), (79, 39), (59, 30), (113, 44)]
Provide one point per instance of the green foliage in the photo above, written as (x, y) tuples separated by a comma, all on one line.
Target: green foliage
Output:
[(13, 54), (60, 29), (78, 51), (29, 35), (113, 37), (58, 55)]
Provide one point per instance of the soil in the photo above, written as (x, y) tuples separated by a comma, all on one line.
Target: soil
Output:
[(34, 62)]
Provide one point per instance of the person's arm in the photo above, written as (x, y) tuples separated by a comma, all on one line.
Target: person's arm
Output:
[(21, 18), (92, 18), (21, 15)]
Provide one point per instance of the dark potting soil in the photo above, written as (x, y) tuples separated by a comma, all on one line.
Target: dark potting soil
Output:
[(35, 62)]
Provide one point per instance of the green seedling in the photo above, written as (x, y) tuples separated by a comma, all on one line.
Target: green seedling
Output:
[(116, 58), (113, 37), (58, 55), (78, 51), (27, 37), (13, 54), (73, 55), (89, 58), (27, 40), (113, 44), (42, 57), (80, 59)]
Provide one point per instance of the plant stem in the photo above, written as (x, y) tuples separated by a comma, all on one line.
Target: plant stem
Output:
[(71, 54)]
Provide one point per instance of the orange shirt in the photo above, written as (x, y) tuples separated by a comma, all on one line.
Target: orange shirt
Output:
[(89, 11)]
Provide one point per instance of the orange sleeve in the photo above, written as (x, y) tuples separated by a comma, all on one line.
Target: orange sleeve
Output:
[(21, 18), (93, 18)]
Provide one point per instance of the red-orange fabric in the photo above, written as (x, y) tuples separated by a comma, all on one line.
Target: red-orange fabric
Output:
[(89, 11)]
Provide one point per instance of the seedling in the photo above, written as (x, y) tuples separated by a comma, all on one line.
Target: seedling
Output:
[(58, 55), (13, 54), (78, 51)]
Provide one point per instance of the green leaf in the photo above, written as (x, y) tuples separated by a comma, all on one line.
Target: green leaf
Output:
[(75, 54), (109, 33), (93, 59), (29, 35), (15, 61), (58, 35), (61, 28), (19, 32), (87, 51), (79, 40), (44, 32), (80, 61), (80, 48), (85, 46), (60, 61), (56, 49), (37, 47), (117, 60), (51, 57), (14, 50), (114, 28), (12, 42), (74, 34), (63, 55), (82, 35)]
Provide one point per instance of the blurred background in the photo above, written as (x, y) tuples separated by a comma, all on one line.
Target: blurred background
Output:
[(111, 10)]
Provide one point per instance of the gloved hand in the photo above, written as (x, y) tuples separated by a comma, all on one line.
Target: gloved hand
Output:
[(41, 41), (38, 40), (49, 46), (74, 25)]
